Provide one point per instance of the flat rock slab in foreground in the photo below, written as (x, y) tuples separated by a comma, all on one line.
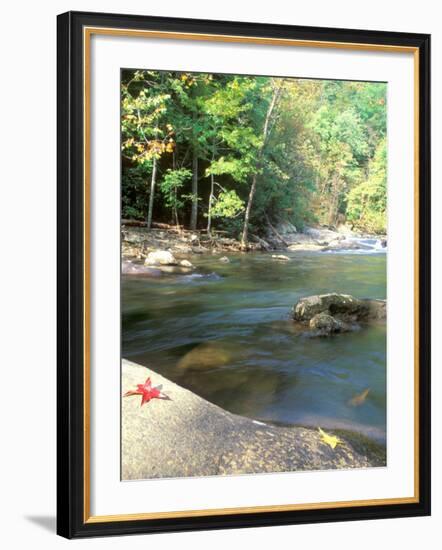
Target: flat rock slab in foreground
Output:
[(189, 436)]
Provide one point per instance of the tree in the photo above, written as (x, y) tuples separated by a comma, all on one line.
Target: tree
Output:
[(367, 203), (192, 127), (145, 134), (349, 120), (171, 184), (230, 142), (249, 152), (276, 92)]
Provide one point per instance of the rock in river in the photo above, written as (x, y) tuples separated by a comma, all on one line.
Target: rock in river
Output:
[(308, 307), (207, 355), (161, 257), (133, 268), (186, 263), (342, 245), (332, 313), (326, 324)]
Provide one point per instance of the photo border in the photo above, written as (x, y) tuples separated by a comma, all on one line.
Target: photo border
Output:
[(75, 30)]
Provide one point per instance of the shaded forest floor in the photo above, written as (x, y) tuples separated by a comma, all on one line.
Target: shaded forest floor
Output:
[(138, 241)]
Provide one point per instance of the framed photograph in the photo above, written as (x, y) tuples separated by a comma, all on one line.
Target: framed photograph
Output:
[(243, 274)]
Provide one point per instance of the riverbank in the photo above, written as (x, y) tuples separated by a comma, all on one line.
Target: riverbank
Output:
[(188, 436), (137, 241)]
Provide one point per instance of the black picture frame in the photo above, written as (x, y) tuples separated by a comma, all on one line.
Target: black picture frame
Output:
[(71, 519)]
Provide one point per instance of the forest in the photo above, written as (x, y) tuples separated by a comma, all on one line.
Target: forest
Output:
[(236, 153)]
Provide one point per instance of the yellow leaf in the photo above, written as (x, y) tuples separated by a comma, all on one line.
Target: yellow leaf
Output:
[(328, 439)]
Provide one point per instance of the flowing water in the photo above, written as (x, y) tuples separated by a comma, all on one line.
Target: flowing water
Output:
[(225, 332)]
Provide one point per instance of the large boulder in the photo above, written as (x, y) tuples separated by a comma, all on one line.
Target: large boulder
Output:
[(208, 355), (160, 257), (323, 234), (286, 228), (346, 245), (196, 438), (377, 310), (331, 304), (314, 238), (324, 324), (337, 312)]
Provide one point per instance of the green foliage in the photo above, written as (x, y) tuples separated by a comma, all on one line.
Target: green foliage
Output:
[(323, 159), (133, 192), (227, 205), (234, 167), (145, 132), (171, 185), (367, 202)]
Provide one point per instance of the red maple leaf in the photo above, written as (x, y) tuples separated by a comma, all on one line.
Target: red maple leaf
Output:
[(147, 392)]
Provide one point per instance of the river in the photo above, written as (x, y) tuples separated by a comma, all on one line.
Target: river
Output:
[(225, 333)]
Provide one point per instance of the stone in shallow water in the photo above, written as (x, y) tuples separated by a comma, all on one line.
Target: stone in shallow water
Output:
[(332, 304), (342, 307), (132, 268), (186, 263), (326, 324), (207, 355), (160, 257), (346, 245)]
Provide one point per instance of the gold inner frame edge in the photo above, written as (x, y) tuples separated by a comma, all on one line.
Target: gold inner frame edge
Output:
[(87, 33)]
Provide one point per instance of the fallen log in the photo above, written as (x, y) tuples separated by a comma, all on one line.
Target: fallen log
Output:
[(277, 234), (133, 223), (174, 227), (262, 242)]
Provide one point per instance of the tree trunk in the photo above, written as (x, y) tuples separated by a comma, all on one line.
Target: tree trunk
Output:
[(265, 132), (175, 194), (152, 193), (211, 196), (245, 231), (175, 213), (194, 213), (276, 232), (333, 201)]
